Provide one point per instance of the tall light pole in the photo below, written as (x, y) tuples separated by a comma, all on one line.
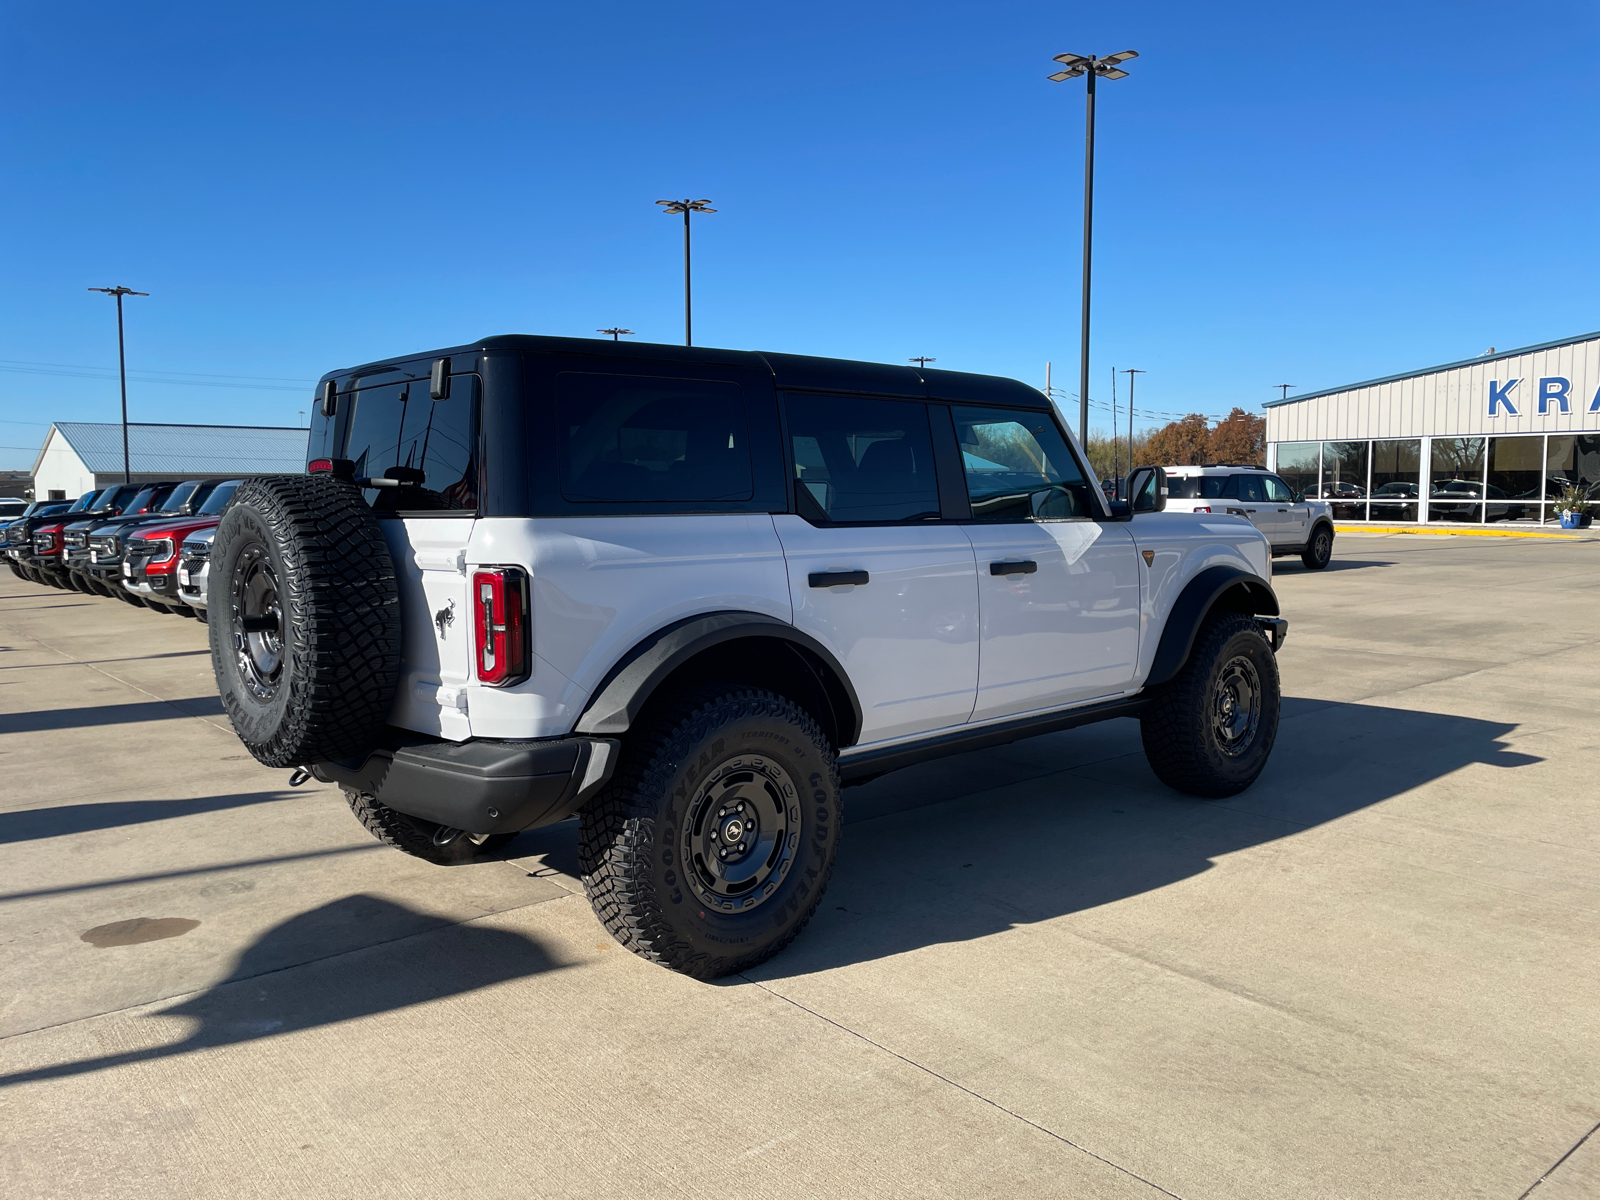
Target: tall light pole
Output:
[(1089, 66), (616, 331), (122, 369), (922, 360), (1284, 395), (686, 207), (1130, 373)]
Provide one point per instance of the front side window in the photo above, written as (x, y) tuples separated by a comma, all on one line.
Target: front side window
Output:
[(1250, 489), (863, 461), (638, 439), (1278, 491), (428, 446), (1018, 467)]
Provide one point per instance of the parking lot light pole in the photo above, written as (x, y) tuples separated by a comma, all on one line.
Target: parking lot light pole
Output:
[(922, 360), (1089, 66), (616, 332), (122, 370), (686, 207), (1130, 372)]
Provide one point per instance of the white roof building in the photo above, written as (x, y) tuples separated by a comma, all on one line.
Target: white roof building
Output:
[(1488, 439), (78, 456)]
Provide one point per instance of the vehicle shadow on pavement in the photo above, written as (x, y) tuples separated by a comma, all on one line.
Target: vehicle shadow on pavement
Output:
[(31, 824), (971, 846), (1296, 567), (45, 720), (260, 999)]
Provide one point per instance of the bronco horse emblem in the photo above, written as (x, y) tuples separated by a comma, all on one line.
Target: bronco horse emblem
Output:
[(445, 617)]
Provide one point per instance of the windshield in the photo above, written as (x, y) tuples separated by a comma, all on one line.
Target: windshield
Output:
[(180, 496), (84, 501), (218, 500), (104, 500)]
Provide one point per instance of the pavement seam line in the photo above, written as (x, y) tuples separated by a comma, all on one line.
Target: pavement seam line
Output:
[(1576, 1146), (963, 1088), (114, 678)]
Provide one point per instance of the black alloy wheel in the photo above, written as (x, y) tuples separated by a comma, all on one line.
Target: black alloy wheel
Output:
[(1236, 707), (256, 621), (740, 833), (1319, 550)]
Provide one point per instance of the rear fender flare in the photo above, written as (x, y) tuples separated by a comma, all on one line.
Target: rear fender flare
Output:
[(1215, 587), (629, 685)]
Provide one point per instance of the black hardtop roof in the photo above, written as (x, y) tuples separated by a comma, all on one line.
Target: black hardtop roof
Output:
[(797, 371)]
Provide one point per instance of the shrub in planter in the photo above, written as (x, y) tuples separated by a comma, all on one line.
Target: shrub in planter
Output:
[(1572, 506)]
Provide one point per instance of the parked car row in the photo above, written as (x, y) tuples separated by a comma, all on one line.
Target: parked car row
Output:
[(145, 544)]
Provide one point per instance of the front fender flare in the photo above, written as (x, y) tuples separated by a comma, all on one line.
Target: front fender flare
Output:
[(629, 684), (1224, 586)]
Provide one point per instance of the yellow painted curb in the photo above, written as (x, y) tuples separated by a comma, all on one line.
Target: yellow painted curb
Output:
[(1450, 531)]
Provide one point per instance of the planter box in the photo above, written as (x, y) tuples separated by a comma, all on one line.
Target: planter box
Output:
[(1572, 520)]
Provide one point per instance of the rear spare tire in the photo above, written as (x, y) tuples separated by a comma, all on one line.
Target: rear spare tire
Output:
[(304, 619)]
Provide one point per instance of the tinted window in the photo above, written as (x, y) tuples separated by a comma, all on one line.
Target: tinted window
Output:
[(1018, 467), (862, 460), (218, 500), (180, 496), (638, 439), (400, 432), (1250, 488), (1278, 491)]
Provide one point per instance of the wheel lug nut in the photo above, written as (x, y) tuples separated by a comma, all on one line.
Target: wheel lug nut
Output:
[(722, 854)]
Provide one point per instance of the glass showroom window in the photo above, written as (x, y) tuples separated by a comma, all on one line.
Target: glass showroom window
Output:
[(1344, 478), (1298, 464), (1396, 479), (1455, 486), (1515, 487), (1572, 458)]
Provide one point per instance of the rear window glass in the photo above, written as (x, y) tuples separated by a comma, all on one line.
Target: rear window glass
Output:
[(429, 446), (638, 439), (1203, 487)]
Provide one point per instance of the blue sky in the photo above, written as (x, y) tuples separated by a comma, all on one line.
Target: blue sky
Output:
[(1285, 193)]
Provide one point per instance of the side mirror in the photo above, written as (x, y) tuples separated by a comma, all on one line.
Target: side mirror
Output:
[(1147, 490), (439, 379)]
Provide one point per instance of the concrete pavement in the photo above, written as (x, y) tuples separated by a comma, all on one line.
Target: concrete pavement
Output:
[(1037, 971)]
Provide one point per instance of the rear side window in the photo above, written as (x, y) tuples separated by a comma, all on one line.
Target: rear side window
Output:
[(1018, 467), (863, 461), (430, 446), (1203, 487), (637, 439)]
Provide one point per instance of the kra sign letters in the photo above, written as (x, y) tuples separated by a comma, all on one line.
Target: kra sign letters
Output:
[(1553, 390)]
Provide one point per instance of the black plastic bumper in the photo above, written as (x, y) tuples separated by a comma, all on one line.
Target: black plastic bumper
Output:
[(482, 786)]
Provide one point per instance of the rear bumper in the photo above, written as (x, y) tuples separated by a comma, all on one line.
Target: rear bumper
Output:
[(482, 786)]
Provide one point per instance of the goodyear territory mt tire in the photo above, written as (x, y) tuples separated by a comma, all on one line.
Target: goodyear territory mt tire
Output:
[(304, 619)]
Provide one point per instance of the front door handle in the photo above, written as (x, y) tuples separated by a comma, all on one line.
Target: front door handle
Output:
[(826, 579), (1024, 567), (1283, 510)]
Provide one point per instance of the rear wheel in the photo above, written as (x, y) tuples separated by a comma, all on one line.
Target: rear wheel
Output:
[(712, 845), (1319, 549), (1209, 732), (422, 839)]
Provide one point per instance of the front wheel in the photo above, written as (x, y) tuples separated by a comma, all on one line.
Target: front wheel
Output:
[(1319, 549), (1210, 730), (711, 846)]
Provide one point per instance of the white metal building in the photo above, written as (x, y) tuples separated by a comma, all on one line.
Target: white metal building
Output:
[(78, 456), (1493, 438)]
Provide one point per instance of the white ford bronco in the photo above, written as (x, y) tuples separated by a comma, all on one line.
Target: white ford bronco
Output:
[(690, 594), (1291, 523)]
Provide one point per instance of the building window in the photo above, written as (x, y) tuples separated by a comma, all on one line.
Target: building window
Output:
[(1515, 490), (1344, 479), (1572, 458), (1455, 488), (1396, 479), (1298, 464)]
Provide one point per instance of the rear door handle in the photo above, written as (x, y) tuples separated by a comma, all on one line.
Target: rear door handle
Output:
[(1025, 567), (826, 579)]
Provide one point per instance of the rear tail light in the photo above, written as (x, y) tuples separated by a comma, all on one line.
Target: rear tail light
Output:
[(320, 466), (1202, 508), (500, 625)]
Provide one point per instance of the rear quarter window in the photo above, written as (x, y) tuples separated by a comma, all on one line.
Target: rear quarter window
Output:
[(399, 430)]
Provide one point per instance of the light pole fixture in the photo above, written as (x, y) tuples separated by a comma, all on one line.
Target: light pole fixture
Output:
[(1284, 395), (922, 360), (616, 332), (1090, 67), (1130, 373), (122, 370), (686, 207)]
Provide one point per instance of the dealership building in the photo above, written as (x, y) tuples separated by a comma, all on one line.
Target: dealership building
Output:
[(1491, 439), (79, 456)]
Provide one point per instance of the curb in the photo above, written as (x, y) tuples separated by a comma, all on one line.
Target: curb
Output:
[(1443, 531)]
